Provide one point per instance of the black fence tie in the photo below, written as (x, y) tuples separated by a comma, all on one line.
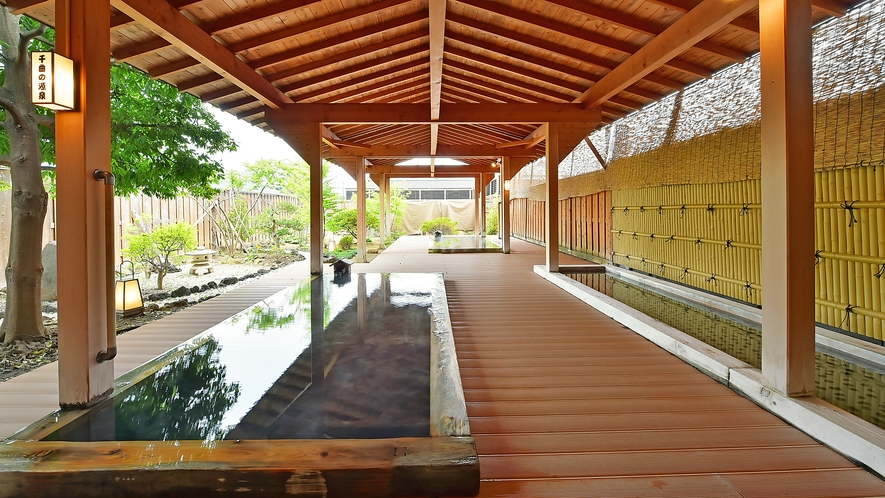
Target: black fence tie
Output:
[(817, 257), (748, 288), (670, 238), (711, 279), (661, 210), (626, 208), (642, 260), (849, 310), (662, 268), (635, 236), (619, 233), (641, 209), (850, 208), (684, 273), (682, 211), (710, 208), (881, 272), (651, 237), (698, 243), (728, 244), (745, 210)]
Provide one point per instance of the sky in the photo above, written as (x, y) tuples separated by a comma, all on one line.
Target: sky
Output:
[(255, 144)]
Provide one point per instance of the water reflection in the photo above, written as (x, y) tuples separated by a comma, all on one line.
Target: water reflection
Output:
[(321, 359), (857, 389)]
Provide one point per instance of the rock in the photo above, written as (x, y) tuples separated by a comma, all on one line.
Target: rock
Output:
[(247, 276), (178, 304), (204, 288), (195, 289), (212, 285), (159, 296), (181, 292), (263, 271), (229, 280), (49, 283), (151, 308)]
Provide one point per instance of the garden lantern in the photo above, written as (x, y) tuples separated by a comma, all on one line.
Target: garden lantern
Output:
[(128, 291)]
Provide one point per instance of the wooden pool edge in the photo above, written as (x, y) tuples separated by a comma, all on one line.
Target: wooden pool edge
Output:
[(434, 466)]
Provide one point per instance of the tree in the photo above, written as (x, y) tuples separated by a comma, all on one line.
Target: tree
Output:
[(346, 221), (161, 143), (155, 249)]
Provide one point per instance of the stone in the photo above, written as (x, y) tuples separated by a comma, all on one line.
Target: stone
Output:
[(181, 292), (49, 282), (212, 284), (195, 289), (204, 288), (229, 280), (159, 296), (263, 271)]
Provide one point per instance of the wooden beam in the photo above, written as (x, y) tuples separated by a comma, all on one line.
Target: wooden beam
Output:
[(515, 143), (788, 276), (451, 113), (515, 96), (747, 25), (702, 21), (164, 19), (250, 16), (443, 150), (434, 137), (595, 152), (415, 71), (437, 13), (448, 170), (361, 82), (577, 33)]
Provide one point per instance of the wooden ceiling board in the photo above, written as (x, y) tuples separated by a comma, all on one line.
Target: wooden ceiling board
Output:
[(408, 92), (380, 84)]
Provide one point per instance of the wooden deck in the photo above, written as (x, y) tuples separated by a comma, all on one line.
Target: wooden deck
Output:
[(562, 400)]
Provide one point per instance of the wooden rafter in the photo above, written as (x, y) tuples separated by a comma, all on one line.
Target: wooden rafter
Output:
[(363, 82), (454, 113), (173, 26), (705, 19), (548, 93), (579, 34), (555, 48)]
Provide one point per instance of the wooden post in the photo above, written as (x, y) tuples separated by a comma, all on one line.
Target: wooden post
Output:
[(313, 154), (787, 197), (387, 212), (552, 198), (505, 205), (477, 213), (83, 140), (382, 215), (361, 210)]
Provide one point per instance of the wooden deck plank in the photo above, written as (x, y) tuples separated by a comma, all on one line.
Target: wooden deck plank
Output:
[(565, 402)]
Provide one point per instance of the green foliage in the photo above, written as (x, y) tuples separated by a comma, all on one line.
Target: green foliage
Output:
[(185, 400), (346, 243), (397, 209), (344, 254), (162, 139), (279, 223), (492, 219), (155, 249), (445, 225), (345, 221)]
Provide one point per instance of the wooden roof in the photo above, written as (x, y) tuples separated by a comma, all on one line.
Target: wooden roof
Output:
[(473, 79)]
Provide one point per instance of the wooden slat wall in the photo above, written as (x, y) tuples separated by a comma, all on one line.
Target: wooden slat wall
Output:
[(584, 223), (161, 211)]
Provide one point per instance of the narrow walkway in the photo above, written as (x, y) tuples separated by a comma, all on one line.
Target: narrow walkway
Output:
[(31, 396), (565, 402)]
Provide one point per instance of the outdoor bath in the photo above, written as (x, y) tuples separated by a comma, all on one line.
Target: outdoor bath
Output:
[(339, 384)]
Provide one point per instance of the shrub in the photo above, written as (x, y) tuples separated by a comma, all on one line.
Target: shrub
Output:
[(492, 219), (444, 225), (346, 243)]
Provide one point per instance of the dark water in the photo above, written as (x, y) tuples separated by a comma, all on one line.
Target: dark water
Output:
[(854, 388), (322, 359)]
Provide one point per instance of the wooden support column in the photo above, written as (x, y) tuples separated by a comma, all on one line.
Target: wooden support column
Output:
[(382, 214), (505, 205), (314, 157), (387, 210), (787, 197), (551, 218), (482, 203), (361, 209), (83, 139), (477, 209)]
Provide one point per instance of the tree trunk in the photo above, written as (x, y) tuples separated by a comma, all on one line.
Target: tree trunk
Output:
[(24, 318)]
